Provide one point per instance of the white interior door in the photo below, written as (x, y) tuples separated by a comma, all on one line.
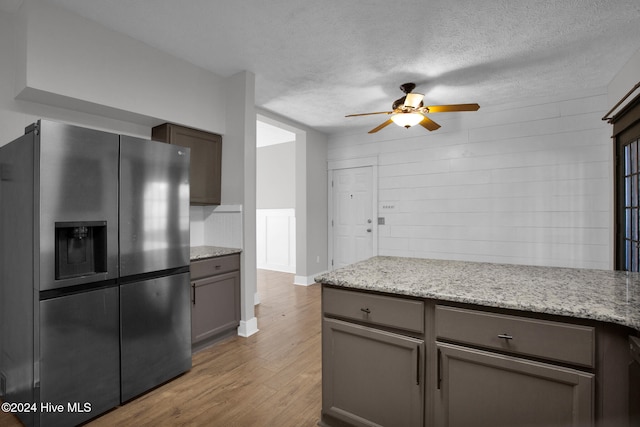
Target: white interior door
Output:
[(353, 215)]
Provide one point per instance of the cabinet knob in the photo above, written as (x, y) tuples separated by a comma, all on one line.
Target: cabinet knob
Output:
[(505, 336)]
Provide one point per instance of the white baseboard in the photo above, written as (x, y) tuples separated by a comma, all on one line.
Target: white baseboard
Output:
[(276, 267), (248, 327), (304, 280)]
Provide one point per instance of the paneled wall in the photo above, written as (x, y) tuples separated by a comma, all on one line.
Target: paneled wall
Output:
[(528, 182), (276, 239), (217, 226)]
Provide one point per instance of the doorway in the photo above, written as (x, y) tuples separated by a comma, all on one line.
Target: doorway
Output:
[(275, 198)]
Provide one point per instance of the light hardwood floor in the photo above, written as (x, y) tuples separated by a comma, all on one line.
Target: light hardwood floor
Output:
[(272, 378)]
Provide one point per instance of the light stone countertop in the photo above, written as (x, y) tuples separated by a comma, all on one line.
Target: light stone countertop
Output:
[(604, 295), (202, 252)]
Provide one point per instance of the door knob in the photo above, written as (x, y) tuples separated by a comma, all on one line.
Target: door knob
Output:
[(369, 221), (368, 230)]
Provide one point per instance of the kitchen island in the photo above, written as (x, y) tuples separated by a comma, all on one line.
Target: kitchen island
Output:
[(449, 343)]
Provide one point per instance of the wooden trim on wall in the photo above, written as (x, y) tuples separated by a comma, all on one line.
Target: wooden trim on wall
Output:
[(626, 128), (627, 117)]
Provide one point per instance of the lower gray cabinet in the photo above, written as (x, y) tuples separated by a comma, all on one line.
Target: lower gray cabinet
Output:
[(480, 388), (486, 375), (400, 361), (371, 377), (215, 298)]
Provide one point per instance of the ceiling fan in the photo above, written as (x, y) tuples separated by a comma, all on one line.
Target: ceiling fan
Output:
[(410, 111)]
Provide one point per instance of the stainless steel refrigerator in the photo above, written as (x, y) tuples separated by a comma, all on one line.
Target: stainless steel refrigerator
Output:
[(94, 270)]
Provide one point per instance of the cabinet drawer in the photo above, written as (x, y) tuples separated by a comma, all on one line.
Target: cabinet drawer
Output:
[(380, 310), (212, 266), (557, 341)]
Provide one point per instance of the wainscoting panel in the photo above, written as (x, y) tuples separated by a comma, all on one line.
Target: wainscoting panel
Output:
[(276, 239)]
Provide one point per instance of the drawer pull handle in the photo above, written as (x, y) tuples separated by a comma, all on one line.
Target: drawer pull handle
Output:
[(418, 365), (505, 336), (439, 369), (365, 310)]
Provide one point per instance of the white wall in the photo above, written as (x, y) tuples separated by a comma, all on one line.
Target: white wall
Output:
[(239, 183), (275, 176), (527, 182), (75, 63), (624, 81), (15, 114), (316, 253)]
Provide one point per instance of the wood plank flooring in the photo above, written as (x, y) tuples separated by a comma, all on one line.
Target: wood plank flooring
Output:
[(272, 378)]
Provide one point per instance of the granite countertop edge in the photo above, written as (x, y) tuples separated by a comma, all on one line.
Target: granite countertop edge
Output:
[(204, 252), (601, 295)]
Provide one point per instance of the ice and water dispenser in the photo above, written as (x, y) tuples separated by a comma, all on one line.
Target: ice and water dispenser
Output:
[(81, 248)]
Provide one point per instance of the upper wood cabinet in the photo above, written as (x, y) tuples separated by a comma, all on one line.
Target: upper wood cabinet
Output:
[(206, 159)]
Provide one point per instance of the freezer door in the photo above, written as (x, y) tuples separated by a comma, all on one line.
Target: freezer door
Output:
[(156, 332), (79, 356), (154, 206), (78, 183)]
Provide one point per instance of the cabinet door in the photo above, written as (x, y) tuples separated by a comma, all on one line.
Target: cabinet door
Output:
[(215, 305), (479, 388), (206, 160), (371, 377)]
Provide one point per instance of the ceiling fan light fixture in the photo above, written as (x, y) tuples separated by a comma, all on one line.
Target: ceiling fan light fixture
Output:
[(407, 120), (413, 100)]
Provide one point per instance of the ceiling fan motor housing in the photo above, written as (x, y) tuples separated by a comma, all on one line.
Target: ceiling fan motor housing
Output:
[(407, 87)]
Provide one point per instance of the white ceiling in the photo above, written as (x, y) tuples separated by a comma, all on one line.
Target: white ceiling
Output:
[(316, 61)]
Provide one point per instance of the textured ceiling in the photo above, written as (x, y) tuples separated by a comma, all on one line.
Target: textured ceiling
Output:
[(316, 61)]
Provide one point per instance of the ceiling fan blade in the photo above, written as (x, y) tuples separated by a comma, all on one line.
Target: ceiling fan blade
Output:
[(452, 107), (429, 124), (369, 114), (383, 125)]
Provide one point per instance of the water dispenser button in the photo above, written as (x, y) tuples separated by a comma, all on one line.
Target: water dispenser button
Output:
[(80, 232)]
